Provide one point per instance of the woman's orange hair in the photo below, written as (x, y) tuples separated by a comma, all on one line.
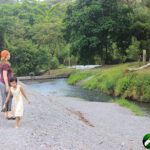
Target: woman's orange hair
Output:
[(4, 53)]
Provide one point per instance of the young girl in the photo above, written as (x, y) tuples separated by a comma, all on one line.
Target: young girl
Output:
[(17, 101)]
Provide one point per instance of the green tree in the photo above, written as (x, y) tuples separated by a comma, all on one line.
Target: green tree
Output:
[(133, 52), (122, 30), (31, 29), (93, 26), (141, 28), (7, 1)]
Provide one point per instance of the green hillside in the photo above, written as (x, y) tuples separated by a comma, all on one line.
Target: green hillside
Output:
[(42, 35)]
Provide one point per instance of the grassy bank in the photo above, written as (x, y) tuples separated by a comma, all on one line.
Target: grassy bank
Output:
[(60, 71), (124, 103), (115, 81), (78, 76)]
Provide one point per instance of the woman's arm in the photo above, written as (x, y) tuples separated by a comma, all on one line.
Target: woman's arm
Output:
[(6, 80), (7, 98), (23, 93)]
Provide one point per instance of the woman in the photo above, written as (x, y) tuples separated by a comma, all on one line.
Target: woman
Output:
[(6, 74)]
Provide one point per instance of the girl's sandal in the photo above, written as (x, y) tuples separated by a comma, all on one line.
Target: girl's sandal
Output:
[(12, 118)]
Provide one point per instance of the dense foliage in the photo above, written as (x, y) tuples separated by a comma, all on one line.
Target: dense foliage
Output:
[(41, 35), (31, 31), (111, 30)]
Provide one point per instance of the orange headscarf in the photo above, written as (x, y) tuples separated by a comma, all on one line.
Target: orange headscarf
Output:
[(4, 53)]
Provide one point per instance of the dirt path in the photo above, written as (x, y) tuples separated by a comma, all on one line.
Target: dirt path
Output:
[(83, 81), (61, 123)]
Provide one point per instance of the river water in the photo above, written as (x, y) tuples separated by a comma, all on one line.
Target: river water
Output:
[(59, 87)]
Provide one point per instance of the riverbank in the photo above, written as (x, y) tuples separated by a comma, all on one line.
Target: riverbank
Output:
[(60, 71), (64, 123), (54, 74), (115, 81)]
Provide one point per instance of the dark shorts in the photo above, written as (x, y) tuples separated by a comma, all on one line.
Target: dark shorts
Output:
[(4, 95)]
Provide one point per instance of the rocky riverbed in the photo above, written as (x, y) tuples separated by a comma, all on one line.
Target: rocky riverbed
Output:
[(65, 123)]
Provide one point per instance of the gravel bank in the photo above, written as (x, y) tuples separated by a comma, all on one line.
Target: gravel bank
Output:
[(63, 123)]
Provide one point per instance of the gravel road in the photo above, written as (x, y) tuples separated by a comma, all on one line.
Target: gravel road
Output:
[(64, 123)]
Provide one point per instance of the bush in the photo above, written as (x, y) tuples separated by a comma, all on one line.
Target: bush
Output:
[(54, 63), (24, 57), (134, 52), (147, 93), (123, 84)]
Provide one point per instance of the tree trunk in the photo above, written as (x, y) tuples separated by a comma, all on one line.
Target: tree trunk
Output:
[(139, 60), (49, 65), (144, 57), (106, 60), (69, 60), (135, 69), (102, 61), (135, 3)]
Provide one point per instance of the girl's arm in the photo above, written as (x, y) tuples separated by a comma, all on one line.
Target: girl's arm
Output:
[(23, 93), (6, 80), (7, 98)]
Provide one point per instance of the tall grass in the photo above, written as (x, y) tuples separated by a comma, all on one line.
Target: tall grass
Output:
[(106, 80), (78, 76)]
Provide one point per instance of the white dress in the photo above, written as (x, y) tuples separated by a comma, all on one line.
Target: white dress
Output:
[(17, 102)]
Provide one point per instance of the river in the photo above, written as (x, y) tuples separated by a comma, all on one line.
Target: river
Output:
[(59, 87)]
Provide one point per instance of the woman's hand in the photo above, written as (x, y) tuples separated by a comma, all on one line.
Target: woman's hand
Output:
[(4, 106), (29, 102), (7, 89)]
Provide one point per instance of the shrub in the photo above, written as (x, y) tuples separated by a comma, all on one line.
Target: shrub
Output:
[(54, 63)]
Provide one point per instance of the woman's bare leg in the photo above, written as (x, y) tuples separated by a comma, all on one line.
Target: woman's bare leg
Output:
[(6, 115), (17, 122)]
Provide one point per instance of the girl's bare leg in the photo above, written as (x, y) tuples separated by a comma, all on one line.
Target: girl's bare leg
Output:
[(9, 114), (17, 122)]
